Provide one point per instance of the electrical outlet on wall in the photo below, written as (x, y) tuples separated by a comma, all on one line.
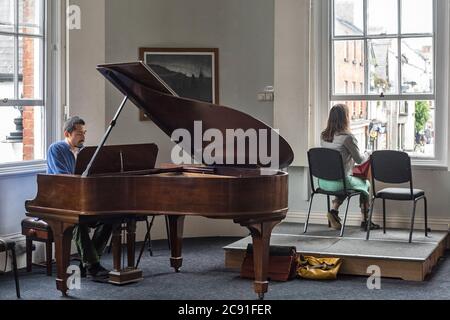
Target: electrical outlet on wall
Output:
[(261, 97), (267, 95)]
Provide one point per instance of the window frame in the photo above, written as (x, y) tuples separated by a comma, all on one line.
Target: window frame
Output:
[(16, 34), (53, 25), (366, 37), (323, 17)]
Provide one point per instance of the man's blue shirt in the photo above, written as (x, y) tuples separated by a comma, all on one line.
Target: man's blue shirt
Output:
[(60, 159)]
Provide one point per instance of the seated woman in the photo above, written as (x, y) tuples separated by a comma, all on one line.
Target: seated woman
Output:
[(337, 136)]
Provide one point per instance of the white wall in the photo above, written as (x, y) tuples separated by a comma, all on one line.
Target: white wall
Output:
[(436, 182), (87, 99), (291, 106), (244, 33), (86, 85), (245, 39), (14, 190), (257, 47)]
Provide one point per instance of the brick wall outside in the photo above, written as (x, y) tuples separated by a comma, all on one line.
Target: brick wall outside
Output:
[(28, 85)]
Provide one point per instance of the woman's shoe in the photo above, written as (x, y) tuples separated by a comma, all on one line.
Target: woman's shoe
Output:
[(373, 226), (335, 221)]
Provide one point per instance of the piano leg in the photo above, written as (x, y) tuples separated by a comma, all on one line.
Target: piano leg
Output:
[(121, 276), (62, 234), (116, 243), (261, 232), (131, 242), (176, 225)]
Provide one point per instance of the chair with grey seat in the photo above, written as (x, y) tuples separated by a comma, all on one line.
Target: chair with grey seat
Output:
[(394, 167), (5, 246), (327, 164)]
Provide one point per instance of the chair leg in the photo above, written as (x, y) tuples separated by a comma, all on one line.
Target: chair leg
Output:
[(29, 253), (168, 231), (369, 222), (142, 248), (329, 209), (149, 230), (110, 246), (384, 216), (309, 213), (426, 215), (345, 217), (49, 256), (412, 221), (16, 272)]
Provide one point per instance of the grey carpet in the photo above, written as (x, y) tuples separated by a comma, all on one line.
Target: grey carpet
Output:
[(204, 277)]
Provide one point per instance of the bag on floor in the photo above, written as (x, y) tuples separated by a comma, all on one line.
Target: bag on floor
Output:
[(282, 263), (318, 268)]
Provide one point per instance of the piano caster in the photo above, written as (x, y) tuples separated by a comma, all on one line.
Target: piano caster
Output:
[(261, 296), (176, 263)]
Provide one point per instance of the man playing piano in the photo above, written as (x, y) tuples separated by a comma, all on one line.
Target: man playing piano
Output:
[(61, 159)]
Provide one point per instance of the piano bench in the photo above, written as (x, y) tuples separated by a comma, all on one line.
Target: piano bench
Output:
[(37, 230)]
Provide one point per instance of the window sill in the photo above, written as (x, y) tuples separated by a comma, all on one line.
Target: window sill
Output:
[(28, 168), (417, 165), (428, 165)]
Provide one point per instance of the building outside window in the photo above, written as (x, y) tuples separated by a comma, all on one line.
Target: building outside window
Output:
[(394, 106), (22, 78)]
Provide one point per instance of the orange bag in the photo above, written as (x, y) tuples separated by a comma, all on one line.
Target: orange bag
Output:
[(318, 268)]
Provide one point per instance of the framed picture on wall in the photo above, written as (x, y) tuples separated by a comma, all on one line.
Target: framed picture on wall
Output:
[(191, 72)]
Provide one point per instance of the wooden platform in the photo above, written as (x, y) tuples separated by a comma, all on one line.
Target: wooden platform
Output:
[(391, 251)]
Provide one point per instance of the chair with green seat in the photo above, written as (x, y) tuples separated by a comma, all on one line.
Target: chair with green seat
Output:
[(394, 167), (327, 164)]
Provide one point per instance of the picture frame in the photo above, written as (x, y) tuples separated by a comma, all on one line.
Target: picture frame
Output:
[(191, 72)]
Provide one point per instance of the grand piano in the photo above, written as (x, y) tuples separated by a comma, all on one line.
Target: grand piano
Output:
[(118, 184)]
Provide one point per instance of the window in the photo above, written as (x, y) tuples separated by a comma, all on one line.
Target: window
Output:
[(394, 105), (22, 78)]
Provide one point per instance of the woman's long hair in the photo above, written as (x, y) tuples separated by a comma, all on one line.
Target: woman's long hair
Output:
[(338, 122)]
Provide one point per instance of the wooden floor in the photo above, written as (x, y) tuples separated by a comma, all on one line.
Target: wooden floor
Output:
[(391, 251)]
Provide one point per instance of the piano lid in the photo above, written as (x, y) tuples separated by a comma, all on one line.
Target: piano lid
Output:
[(228, 131)]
